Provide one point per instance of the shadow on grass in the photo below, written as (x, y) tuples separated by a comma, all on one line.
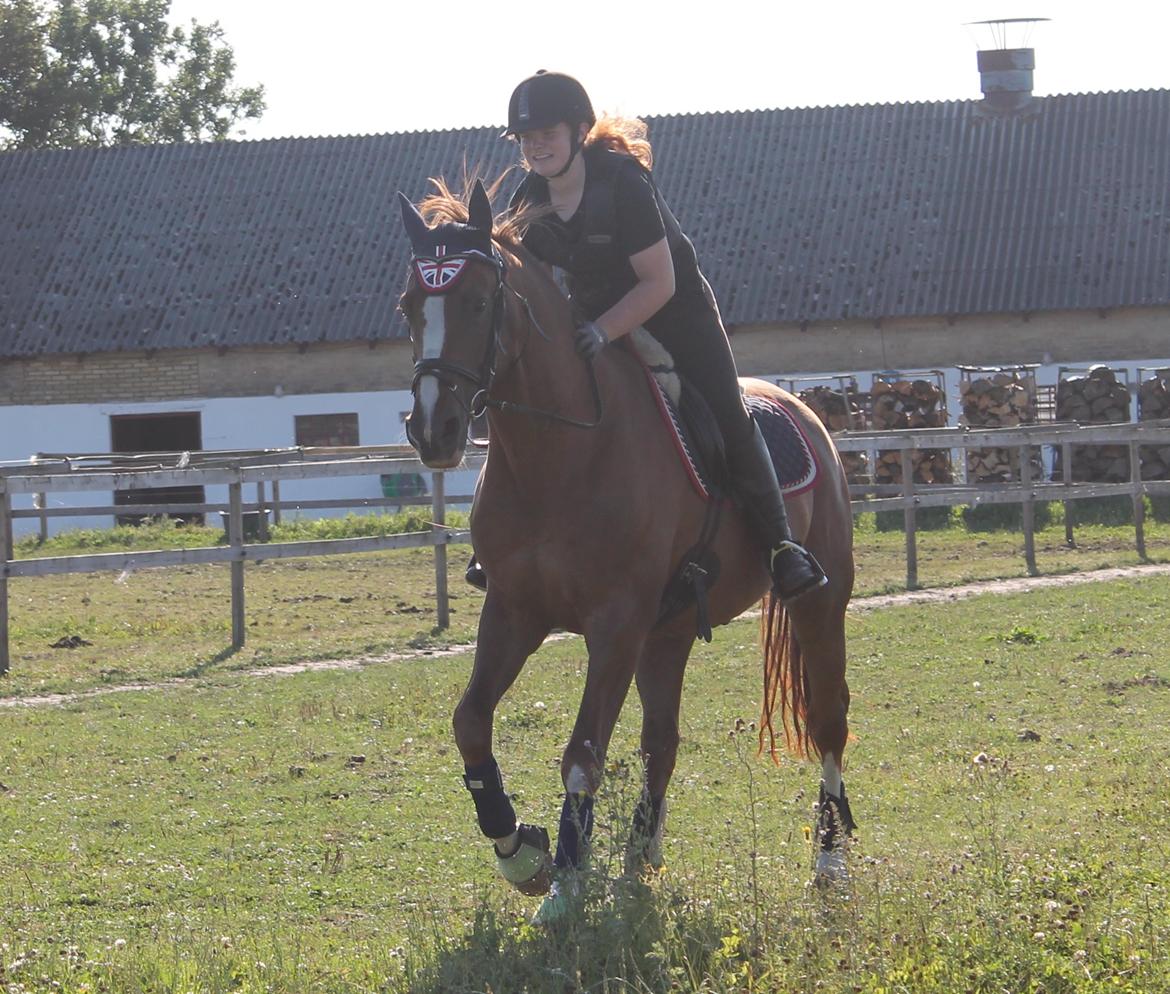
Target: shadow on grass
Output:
[(203, 666)]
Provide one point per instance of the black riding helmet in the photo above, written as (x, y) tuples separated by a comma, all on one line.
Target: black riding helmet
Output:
[(545, 99)]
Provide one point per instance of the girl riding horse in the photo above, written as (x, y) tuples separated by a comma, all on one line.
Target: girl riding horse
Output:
[(629, 265)]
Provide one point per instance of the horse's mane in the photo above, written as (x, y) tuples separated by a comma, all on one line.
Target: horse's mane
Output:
[(445, 205)]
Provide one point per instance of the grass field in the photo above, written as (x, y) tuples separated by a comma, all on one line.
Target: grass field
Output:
[(310, 832), (175, 623)]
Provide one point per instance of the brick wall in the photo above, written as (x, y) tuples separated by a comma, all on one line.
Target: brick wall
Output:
[(131, 377)]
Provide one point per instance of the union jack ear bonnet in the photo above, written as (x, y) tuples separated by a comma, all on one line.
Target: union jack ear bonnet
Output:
[(441, 253)]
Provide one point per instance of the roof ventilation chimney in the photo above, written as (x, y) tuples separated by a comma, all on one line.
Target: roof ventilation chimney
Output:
[(1005, 68)]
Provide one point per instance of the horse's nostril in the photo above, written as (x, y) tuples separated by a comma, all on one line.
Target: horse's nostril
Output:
[(450, 427)]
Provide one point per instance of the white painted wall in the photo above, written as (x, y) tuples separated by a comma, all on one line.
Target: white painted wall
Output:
[(227, 423)]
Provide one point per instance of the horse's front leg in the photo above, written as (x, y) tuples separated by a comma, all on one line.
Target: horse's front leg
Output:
[(506, 639), (614, 640)]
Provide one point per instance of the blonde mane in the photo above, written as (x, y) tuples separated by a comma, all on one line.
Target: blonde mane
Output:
[(445, 205)]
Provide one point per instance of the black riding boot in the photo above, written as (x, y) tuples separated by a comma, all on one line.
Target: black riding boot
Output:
[(794, 569), (475, 574)]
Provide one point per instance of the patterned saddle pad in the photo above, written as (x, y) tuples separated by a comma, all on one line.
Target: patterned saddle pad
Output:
[(796, 465)]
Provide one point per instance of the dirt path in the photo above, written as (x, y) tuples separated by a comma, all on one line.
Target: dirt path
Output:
[(935, 595)]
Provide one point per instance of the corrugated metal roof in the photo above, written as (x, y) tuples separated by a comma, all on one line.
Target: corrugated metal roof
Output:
[(809, 215)]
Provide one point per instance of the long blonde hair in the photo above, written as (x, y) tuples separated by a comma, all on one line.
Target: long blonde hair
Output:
[(622, 134)]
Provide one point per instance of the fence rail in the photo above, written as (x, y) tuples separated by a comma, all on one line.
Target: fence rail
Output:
[(60, 473)]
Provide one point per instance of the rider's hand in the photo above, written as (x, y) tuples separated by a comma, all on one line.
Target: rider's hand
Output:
[(590, 340)]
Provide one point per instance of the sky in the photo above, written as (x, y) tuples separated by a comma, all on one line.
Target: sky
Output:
[(349, 67)]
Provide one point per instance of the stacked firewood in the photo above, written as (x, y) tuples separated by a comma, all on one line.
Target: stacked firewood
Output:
[(910, 403), (1154, 405), (998, 399), (840, 411), (1096, 397)]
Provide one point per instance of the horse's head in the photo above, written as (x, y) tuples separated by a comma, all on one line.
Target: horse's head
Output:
[(453, 304)]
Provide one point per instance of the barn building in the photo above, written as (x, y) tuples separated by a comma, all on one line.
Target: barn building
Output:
[(243, 294)]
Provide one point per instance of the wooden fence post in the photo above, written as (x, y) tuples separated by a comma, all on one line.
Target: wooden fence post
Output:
[(911, 518), (5, 555), (1066, 478), (276, 502), (262, 520), (40, 502), (439, 519), (1028, 510), (236, 541), (1139, 504)]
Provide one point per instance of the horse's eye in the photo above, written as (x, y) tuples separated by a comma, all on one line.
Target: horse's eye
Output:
[(481, 305)]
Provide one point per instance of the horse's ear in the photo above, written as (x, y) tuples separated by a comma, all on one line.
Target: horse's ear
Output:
[(479, 208), (416, 227)]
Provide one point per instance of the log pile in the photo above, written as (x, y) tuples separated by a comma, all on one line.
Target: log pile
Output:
[(1096, 397), (1154, 405), (1004, 398), (841, 411), (910, 403), (837, 411)]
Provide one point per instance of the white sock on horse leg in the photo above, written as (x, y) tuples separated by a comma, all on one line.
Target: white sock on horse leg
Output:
[(508, 844), (831, 774), (577, 782)]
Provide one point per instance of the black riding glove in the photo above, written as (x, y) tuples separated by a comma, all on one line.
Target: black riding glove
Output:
[(590, 340)]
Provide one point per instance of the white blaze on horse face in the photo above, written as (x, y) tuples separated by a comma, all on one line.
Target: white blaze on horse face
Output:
[(434, 334), (831, 774)]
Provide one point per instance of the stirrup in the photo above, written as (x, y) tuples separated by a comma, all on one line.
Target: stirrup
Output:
[(795, 571), (475, 574)]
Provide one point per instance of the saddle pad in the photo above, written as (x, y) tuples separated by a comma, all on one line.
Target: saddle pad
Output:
[(796, 466)]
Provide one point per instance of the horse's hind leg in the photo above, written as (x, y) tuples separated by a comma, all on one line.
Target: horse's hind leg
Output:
[(506, 640), (822, 648), (659, 679)]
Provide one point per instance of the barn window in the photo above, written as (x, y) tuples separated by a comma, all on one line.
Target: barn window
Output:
[(326, 429)]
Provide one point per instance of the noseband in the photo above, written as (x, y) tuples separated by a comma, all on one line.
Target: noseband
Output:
[(437, 276)]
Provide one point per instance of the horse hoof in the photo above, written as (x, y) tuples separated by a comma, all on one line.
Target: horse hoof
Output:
[(529, 868), (563, 900)]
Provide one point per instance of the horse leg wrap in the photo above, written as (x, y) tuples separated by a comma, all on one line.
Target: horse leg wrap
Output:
[(834, 819), (497, 817), (529, 868), (575, 828)]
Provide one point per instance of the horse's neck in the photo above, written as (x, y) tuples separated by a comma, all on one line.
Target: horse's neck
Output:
[(549, 377)]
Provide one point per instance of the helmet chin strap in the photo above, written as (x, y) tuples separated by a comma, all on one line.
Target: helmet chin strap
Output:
[(575, 146)]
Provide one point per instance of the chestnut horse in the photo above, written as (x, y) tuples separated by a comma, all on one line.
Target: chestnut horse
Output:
[(582, 513)]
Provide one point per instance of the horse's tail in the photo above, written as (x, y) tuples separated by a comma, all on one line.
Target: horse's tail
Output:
[(785, 681)]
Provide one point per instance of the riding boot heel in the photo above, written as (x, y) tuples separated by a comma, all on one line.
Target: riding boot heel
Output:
[(475, 574)]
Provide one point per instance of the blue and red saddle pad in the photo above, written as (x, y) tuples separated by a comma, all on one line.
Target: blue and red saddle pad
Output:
[(796, 465)]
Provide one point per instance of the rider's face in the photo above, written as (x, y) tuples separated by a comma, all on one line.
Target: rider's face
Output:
[(546, 150)]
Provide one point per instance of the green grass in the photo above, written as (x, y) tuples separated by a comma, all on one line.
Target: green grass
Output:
[(172, 623), (224, 836)]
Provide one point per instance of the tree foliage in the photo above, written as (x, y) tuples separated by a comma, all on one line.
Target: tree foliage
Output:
[(114, 72)]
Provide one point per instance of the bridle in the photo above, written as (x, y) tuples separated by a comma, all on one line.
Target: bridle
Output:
[(438, 275)]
